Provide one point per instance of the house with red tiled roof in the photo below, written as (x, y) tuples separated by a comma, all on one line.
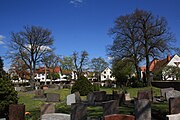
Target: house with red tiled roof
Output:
[(42, 72), (159, 67)]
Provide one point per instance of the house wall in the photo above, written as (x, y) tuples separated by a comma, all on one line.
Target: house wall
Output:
[(176, 58), (107, 75)]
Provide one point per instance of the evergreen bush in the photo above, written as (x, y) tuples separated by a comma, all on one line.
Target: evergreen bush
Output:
[(8, 96), (83, 86)]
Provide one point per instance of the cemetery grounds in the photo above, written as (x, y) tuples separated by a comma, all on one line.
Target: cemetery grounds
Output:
[(32, 106)]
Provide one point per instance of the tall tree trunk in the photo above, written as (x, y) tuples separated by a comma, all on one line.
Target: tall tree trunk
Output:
[(137, 71), (147, 71)]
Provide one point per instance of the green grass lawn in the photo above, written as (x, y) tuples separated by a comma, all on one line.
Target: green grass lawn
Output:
[(33, 105)]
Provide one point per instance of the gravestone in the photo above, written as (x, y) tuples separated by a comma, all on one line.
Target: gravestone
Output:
[(55, 116), (17, 89), (99, 96), (173, 117), (144, 94), (110, 107), (143, 109), (172, 94), (2, 118), (119, 117), (52, 97), (127, 97), (174, 105), (71, 99), (47, 108), (95, 97), (77, 97), (165, 90), (121, 98), (16, 112), (78, 111), (109, 97), (23, 89), (39, 94)]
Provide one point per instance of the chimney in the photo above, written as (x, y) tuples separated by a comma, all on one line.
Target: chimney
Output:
[(168, 58)]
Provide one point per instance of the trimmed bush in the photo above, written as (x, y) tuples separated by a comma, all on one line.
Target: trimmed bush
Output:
[(8, 96), (83, 86)]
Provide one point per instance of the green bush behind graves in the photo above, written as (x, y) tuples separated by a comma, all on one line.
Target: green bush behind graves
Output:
[(83, 85), (8, 96)]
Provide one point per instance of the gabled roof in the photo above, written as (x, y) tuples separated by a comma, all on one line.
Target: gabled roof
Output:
[(157, 64), (42, 70), (160, 64)]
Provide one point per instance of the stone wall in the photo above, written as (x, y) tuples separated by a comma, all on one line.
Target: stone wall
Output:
[(166, 84)]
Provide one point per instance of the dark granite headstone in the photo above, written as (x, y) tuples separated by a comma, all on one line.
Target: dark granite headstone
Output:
[(16, 112), (109, 97), (119, 117), (47, 108), (120, 98), (52, 97), (165, 90), (174, 105), (110, 107), (78, 111), (39, 94), (144, 94), (97, 96), (143, 109)]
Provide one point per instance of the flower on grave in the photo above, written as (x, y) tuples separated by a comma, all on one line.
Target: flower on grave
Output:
[(27, 113)]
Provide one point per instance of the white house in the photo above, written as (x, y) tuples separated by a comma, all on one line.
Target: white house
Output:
[(159, 68), (106, 74), (174, 61)]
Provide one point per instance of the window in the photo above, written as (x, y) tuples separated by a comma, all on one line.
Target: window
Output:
[(110, 72), (104, 72), (104, 76), (110, 76)]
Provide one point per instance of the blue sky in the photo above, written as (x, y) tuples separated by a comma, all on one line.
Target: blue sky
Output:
[(78, 25)]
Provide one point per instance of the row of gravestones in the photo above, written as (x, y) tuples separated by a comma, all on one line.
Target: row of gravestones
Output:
[(109, 102), (95, 98), (50, 97), (143, 104)]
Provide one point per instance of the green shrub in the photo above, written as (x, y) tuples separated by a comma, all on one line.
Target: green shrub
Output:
[(137, 83), (83, 85), (96, 87), (8, 96)]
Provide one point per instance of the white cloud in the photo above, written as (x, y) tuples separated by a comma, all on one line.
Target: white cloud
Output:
[(76, 2), (1, 39)]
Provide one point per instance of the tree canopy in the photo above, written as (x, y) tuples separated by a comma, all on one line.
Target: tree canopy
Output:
[(140, 36), (29, 45)]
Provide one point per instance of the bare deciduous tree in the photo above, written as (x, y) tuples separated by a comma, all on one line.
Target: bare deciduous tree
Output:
[(80, 61), (140, 35), (30, 45)]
